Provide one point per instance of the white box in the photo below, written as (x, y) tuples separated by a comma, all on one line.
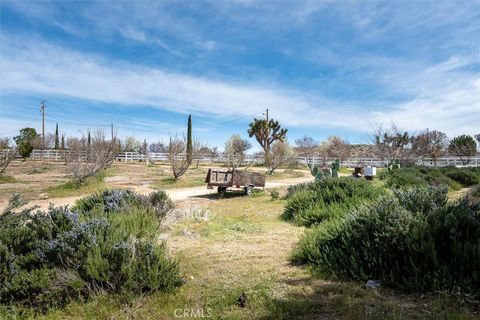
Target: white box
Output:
[(370, 171)]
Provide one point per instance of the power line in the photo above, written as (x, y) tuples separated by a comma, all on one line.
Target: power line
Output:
[(24, 126)]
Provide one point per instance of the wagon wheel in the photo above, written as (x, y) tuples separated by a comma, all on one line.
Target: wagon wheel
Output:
[(248, 190), (221, 190)]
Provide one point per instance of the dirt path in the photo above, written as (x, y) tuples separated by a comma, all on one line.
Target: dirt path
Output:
[(176, 194)]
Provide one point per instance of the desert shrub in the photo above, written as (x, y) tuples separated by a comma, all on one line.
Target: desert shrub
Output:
[(4, 178), (108, 200), (414, 241), (48, 258), (292, 189), (452, 177), (114, 200), (464, 176), (327, 198), (274, 194)]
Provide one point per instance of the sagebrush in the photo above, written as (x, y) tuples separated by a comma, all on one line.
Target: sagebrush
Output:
[(313, 203), (48, 258), (414, 241)]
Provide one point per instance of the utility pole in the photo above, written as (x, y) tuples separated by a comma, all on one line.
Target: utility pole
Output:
[(42, 110), (112, 132), (266, 113)]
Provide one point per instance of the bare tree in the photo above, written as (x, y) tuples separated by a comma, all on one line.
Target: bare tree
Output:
[(235, 151), (177, 156), (198, 151), (157, 147), (213, 153), (431, 144), (393, 144), (337, 148), (7, 154), (131, 144), (37, 142), (307, 147), (85, 160), (279, 154), (463, 146), (4, 143)]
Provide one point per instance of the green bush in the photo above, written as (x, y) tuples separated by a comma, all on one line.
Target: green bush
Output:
[(112, 200), (464, 176), (414, 241), (452, 177), (50, 258), (327, 198)]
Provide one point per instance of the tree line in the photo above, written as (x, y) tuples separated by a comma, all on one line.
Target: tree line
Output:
[(93, 152)]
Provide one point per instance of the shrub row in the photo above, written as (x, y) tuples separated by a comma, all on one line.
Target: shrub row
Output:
[(111, 200), (310, 204), (413, 241), (48, 258), (452, 177)]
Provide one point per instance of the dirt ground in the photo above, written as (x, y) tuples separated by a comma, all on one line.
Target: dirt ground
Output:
[(227, 247), (34, 179)]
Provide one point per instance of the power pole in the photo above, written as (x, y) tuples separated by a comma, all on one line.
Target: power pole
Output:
[(112, 132), (266, 113), (42, 110)]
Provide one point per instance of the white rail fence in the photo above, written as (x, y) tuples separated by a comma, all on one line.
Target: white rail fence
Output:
[(130, 157)]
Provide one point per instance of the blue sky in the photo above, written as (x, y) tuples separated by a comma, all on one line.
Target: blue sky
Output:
[(321, 67)]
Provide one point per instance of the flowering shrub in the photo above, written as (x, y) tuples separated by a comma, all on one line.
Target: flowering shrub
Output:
[(48, 258), (115, 200)]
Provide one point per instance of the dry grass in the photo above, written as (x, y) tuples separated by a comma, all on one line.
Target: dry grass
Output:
[(243, 249)]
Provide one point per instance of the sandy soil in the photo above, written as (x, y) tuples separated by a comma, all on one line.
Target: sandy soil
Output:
[(33, 177)]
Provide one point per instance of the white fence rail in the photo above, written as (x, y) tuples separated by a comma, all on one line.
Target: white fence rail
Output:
[(57, 155)]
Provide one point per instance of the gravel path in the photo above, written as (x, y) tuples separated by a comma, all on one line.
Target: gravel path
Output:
[(176, 194)]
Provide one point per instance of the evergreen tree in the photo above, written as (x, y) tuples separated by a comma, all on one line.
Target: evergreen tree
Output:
[(62, 145), (57, 142), (24, 141), (189, 140)]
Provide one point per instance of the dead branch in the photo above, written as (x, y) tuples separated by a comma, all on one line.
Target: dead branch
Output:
[(85, 159)]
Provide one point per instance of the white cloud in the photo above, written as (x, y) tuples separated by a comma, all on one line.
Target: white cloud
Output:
[(445, 98)]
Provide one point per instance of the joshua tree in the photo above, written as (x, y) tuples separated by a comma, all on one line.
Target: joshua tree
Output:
[(266, 132), (235, 148)]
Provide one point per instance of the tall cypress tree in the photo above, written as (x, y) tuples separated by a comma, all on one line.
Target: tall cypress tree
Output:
[(189, 140), (57, 141), (62, 145)]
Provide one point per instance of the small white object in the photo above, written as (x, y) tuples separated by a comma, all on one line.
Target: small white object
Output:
[(373, 284), (370, 171)]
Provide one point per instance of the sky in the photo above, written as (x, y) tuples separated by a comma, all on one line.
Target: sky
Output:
[(322, 68)]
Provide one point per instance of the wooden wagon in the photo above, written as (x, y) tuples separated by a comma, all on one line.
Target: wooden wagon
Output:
[(224, 179)]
